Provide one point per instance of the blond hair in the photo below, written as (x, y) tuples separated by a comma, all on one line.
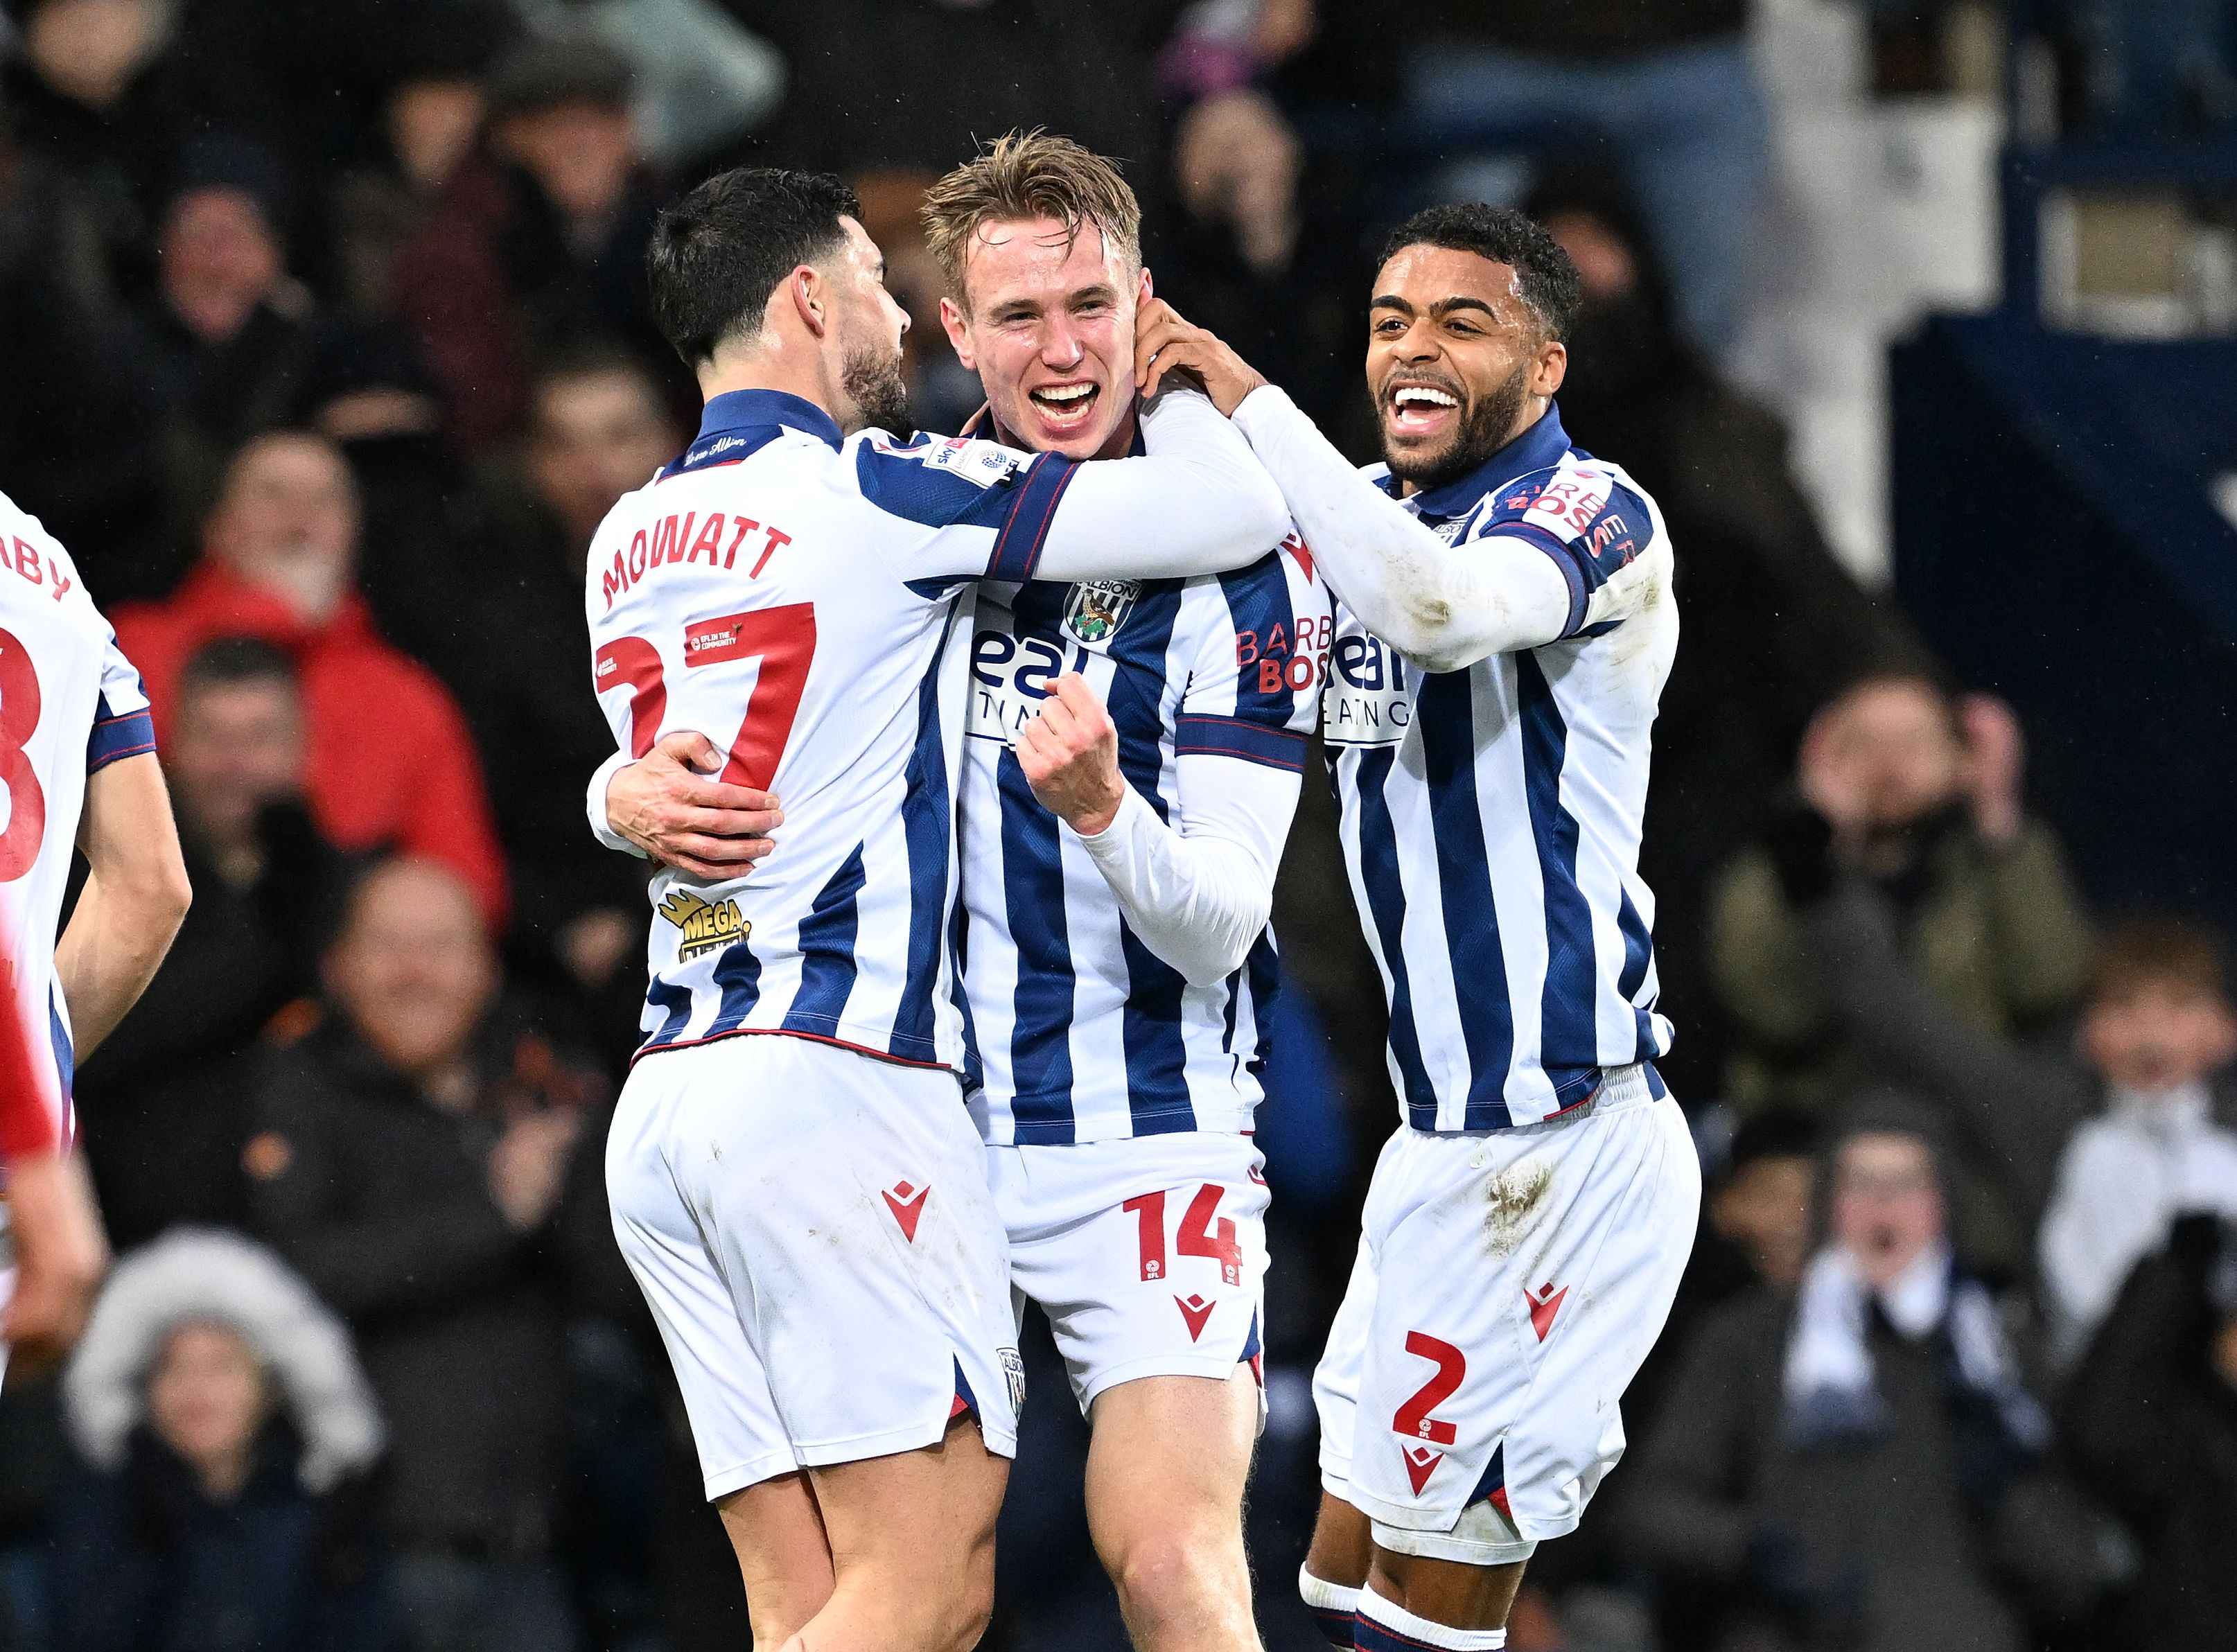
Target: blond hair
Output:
[(1028, 174)]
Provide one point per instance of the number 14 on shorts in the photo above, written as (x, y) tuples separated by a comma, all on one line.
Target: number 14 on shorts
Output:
[(1199, 1235)]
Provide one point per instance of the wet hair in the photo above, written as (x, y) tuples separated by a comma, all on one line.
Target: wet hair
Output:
[(2158, 952), (718, 254), (1550, 284), (1026, 175)]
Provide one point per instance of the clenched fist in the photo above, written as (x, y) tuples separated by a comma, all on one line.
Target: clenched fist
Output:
[(1070, 754)]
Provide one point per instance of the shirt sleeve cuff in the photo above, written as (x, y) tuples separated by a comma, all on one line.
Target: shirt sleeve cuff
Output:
[(594, 805), (1112, 845), (1261, 409)]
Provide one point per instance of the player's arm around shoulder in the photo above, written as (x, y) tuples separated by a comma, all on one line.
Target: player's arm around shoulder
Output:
[(657, 796), (1439, 607)]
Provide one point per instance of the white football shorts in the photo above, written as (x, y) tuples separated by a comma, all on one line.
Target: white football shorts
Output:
[(1509, 1284), (812, 1231), (1148, 1254)]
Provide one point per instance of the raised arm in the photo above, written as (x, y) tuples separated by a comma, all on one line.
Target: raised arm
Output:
[(1444, 609), (1195, 502)]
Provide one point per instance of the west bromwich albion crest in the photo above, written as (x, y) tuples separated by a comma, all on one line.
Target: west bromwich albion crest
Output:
[(1095, 610)]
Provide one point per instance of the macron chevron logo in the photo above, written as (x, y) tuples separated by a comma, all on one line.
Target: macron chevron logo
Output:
[(1545, 1302), (1421, 1464), (906, 1204), (1195, 1311)]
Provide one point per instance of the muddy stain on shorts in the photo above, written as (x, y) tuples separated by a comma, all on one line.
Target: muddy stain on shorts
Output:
[(1511, 1199)]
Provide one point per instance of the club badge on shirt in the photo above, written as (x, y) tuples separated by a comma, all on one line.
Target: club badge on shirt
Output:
[(1094, 610)]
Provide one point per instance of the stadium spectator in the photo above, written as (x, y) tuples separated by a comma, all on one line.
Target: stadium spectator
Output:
[(228, 331), (419, 1164), (538, 241), (1918, 802), (1264, 248), (2152, 1423), (76, 431), (389, 760), (1666, 84), (2097, 1158), (101, 93), (597, 428), (164, 1103), (1919, 799), (915, 84), (1774, 627), (430, 119), (702, 79), (231, 1432), (1834, 1463)]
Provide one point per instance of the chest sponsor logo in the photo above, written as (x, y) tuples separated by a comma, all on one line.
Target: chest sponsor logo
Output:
[(702, 926), (1370, 697), (1095, 610), (1010, 678)]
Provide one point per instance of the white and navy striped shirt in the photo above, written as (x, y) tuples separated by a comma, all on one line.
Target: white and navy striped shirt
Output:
[(71, 704), (1080, 1032), (1491, 815), (804, 602)]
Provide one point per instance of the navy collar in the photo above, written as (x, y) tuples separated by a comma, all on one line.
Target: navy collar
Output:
[(738, 423), (1538, 448)]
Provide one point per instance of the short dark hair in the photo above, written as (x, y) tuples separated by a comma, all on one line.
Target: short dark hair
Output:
[(2158, 952), (720, 252), (1550, 286), (229, 661)]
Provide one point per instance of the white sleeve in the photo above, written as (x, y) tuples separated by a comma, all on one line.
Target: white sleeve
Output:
[(1200, 895), (594, 805), (1196, 502), (1441, 610)]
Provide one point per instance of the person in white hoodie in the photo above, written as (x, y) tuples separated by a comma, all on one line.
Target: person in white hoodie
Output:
[(2159, 1029)]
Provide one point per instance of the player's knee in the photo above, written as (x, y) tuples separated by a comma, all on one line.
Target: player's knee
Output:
[(968, 1606), (1168, 1573), (971, 1608)]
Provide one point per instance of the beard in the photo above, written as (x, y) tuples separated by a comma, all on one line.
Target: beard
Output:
[(1486, 422), (872, 380)]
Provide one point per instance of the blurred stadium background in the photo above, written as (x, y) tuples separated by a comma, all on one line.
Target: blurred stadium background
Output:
[(322, 346)]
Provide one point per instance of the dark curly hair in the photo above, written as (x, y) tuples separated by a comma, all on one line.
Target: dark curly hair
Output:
[(1550, 286)]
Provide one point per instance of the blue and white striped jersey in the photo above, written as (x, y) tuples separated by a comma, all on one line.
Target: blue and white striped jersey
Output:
[(1491, 816), (1080, 1032), (71, 704), (804, 602)]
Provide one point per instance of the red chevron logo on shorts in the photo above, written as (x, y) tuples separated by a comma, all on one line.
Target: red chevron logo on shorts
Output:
[(906, 1204), (1421, 1464), (1195, 1311), (1545, 1302)]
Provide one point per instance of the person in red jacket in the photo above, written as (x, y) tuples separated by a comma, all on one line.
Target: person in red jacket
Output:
[(390, 760)]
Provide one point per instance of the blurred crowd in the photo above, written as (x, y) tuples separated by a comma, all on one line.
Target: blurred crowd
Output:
[(323, 347)]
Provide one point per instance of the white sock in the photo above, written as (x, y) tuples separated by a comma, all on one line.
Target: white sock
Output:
[(1331, 1604), (1375, 1610)]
